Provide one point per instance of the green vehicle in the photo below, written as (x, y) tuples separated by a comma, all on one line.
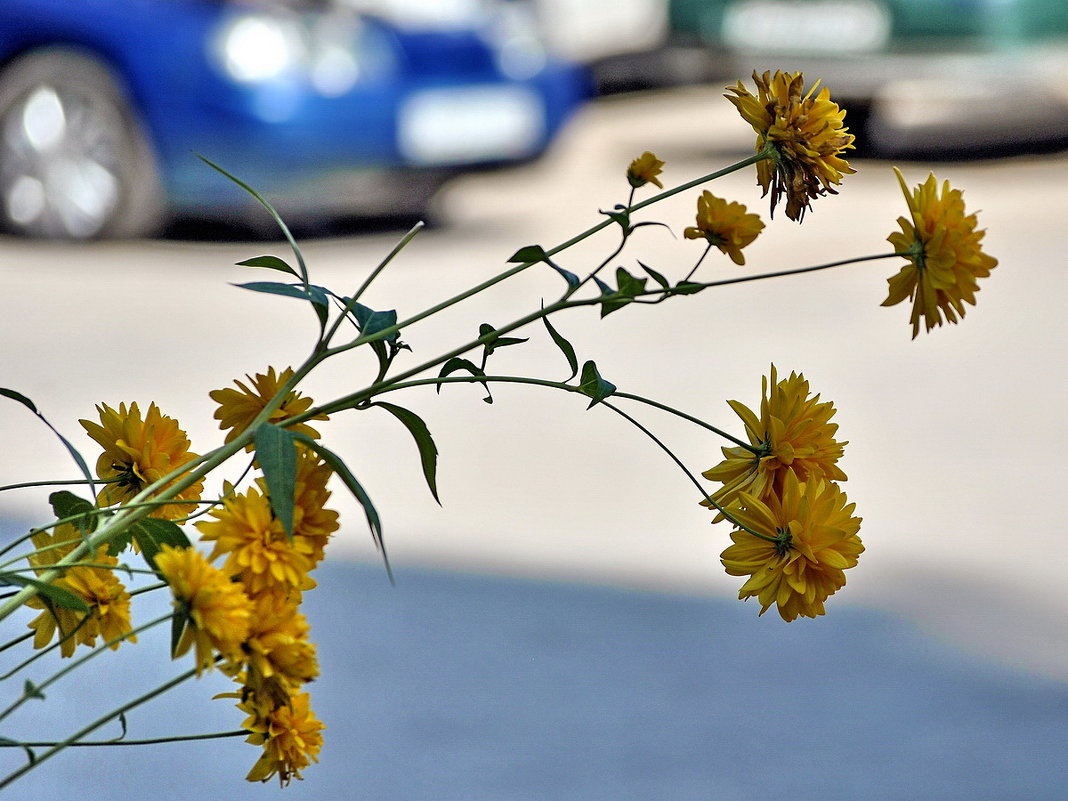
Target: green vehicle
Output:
[(916, 75)]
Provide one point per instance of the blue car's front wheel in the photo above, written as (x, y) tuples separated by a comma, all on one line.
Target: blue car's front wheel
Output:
[(74, 162)]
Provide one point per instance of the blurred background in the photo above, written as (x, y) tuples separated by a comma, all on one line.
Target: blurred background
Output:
[(561, 628)]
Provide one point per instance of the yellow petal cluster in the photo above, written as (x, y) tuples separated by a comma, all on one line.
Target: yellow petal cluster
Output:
[(945, 255), (94, 583), (216, 609), (138, 452), (644, 170), (798, 546), (792, 436), (291, 737), (728, 226), (807, 134), (239, 407)]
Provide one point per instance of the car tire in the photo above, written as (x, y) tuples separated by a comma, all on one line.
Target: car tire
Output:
[(74, 160)]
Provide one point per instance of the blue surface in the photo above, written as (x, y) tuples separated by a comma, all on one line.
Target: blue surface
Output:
[(467, 687)]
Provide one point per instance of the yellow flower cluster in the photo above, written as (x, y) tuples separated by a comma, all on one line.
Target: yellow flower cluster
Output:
[(728, 226), (93, 582), (139, 452), (796, 533), (806, 133), (239, 407), (943, 247)]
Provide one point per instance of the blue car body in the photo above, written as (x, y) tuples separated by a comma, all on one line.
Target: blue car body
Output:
[(399, 105)]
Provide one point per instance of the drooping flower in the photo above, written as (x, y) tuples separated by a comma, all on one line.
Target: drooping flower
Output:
[(215, 609), (139, 452), (807, 133), (94, 583), (944, 251), (792, 435), (291, 737), (644, 170), (809, 539), (239, 407), (728, 226), (256, 548)]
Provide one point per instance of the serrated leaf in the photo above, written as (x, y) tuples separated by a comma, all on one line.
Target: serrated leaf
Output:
[(660, 279), (593, 386), (428, 451), (152, 533), (57, 596), (276, 455), (342, 471), (270, 263), (565, 347), (458, 363), (530, 253)]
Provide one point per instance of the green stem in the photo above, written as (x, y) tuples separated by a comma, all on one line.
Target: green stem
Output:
[(65, 483), (179, 738), (704, 495), (96, 724)]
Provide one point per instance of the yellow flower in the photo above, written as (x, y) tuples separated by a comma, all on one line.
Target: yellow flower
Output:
[(725, 225), (312, 521), (216, 609), (812, 540), (278, 648), (793, 436), (239, 407), (807, 135), (291, 737), (257, 550), (644, 170), (944, 252), (108, 601), (138, 453)]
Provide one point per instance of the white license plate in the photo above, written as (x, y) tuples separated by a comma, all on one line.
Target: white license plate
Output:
[(470, 125), (811, 26)]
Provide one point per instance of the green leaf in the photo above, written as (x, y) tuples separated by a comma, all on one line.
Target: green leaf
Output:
[(18, 396), (572, 279), (29, 404), (491, 345), (179, 620), (50, 592), (315, 294), (620, 216), (606, 291), (342, 471), (31, 756), (428, 451), (529, 254), (457, 363), (629, 287), (31, 690), (593, 386), (276, 454), (371, 321), (67, 504), (152, 533), (687, 288), (566, 348), (269, 262), (660, 279)]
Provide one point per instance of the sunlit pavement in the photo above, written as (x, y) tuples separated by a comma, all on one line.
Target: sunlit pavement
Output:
[(954, 439)]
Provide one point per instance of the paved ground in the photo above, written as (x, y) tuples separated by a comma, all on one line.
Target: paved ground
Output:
[(955, 439)]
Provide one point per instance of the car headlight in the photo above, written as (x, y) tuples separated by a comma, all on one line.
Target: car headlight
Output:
[(253, 48)]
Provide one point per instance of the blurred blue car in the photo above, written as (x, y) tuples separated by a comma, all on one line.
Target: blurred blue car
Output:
[(327, 111)]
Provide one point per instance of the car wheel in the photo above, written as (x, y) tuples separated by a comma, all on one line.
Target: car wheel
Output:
[(74, 162)]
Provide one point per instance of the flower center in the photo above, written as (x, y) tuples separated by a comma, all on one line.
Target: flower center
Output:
[(128, 476)]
